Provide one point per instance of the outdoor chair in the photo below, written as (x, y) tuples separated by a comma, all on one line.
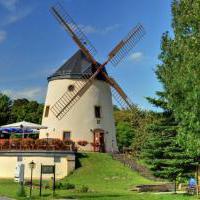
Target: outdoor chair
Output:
[(15, 144), (41, 144), (191, 190), (28, 144), (5, 144), (56, 144)]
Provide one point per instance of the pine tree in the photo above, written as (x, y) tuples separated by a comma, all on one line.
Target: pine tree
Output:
[(179, 71), (166, 157)]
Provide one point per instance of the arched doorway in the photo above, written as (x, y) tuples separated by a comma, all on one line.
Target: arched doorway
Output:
[(99, 140)]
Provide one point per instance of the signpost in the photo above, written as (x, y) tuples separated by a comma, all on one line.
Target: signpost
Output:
[(48, 169)]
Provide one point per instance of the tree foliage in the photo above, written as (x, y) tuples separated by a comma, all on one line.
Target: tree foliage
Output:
[(18, 110), (5, 108), (167, 158), (131, 127), (179, 71), (23, 109)]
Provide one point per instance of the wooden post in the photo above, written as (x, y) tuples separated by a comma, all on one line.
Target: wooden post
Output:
[(175, 185), (197, 177), (31, 183), (54, 180), (41, 181), (124, 155)]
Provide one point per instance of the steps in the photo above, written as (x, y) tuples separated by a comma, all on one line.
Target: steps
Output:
[(132, 164)]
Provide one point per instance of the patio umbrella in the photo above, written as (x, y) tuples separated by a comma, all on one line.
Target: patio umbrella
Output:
[(19, 130), (24, 126)]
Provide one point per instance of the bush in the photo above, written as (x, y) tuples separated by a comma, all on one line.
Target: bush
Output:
[(21, 191), (65, 186), (46, 185), (84, 189)]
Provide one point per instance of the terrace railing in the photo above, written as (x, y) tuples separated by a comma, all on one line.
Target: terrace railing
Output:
[(28, 144)]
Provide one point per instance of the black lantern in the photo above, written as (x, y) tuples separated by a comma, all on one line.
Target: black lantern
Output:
[(31, 166)]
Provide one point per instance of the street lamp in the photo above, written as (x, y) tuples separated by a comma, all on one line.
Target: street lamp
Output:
[(31, 166)]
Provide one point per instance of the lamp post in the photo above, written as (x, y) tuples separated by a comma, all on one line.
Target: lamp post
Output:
[(31, 166)]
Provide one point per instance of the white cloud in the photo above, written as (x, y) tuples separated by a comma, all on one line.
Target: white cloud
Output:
[(9, 4), (14, 11), (29, 93), (137, 56), (2, 36), (88, 29), (110, 28), (13, 17)]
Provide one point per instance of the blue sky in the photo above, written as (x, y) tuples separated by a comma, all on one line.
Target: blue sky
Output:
[(33, 45)]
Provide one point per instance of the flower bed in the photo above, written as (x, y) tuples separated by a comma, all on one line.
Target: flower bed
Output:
[(38, 144), (82, 142)]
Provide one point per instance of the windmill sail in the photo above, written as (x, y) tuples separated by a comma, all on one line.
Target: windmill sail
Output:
[(74, 31), (119, 95), (65, 103), (123, 48)]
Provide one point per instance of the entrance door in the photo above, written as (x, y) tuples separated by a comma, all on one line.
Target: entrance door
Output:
[(99, 143)]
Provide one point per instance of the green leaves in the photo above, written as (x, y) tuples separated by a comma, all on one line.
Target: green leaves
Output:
[(19, 110), (179, 71)]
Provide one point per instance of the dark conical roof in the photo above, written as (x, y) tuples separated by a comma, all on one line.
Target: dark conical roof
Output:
[(75, 68)]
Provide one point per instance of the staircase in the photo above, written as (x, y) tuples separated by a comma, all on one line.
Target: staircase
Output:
[(132, 164)]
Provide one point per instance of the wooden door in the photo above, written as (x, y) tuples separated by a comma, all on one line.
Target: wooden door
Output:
[(99, 143)]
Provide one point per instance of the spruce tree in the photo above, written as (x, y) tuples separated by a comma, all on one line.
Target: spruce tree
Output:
[(165, 156), (179, 71)]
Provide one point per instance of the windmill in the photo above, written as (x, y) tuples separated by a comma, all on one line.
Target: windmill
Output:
[(62, 106)]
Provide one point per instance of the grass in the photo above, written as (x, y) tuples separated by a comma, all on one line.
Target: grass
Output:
[(106, 178)]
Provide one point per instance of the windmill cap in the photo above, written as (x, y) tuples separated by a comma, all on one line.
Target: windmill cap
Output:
[(75, 67)]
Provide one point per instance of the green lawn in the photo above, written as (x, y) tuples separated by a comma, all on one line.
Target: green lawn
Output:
[(107, 179)]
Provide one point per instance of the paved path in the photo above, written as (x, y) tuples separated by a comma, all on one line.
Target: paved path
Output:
[(5, 198)]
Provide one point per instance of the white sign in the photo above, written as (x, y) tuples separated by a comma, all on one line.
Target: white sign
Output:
[(19, 172)]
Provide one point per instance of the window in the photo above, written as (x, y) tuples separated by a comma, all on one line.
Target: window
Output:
[(71, 88), (46, 114), (66, 135), (97, 111)]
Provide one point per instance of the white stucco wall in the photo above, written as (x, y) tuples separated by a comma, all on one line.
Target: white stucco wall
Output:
[(9, 162), (81, 118)]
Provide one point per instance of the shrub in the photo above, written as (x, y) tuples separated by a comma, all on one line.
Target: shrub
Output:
[(46, 185), (21, 191), (84, 189), (82, 142), (64, 186), (68, 186)]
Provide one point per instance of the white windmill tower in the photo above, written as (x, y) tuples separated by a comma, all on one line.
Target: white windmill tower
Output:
[(78, 103)]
